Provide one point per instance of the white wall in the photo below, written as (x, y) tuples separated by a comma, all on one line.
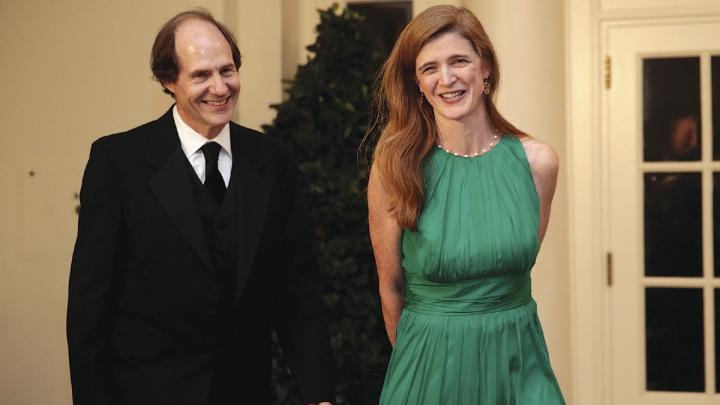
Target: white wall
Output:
[(72, 71)]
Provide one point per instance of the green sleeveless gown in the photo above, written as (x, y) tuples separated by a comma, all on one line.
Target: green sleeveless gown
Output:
[(469, 332)]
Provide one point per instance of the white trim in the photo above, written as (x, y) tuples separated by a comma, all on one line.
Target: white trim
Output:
[(586, 231)]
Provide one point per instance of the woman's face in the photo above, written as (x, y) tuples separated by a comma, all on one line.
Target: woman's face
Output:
[(450, 75)]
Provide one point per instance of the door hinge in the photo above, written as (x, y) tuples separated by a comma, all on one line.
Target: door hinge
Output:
[(609, 264), (608, 72)]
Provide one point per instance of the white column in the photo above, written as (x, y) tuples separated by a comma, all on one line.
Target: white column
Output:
[(299, 19), (528, 36), (258, 29)]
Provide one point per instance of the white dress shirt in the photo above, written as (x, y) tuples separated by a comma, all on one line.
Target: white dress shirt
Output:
[(191, 142)]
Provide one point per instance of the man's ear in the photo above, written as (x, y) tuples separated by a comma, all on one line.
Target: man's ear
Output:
[(169, 86)]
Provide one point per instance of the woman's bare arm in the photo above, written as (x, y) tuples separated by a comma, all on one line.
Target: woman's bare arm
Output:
[(385, 234), (544, 164)]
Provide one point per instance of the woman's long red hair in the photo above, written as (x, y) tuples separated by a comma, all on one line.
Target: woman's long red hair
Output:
[(406, 122)]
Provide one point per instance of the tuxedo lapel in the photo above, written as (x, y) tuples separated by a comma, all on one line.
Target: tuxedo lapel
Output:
[(252, 194), (172, 185)]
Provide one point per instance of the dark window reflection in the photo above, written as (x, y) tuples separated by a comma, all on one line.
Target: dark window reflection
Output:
[(716, 225), (715, 72), (717, 340), (383, 21), (674, 339), (673, 226), (671, 103)]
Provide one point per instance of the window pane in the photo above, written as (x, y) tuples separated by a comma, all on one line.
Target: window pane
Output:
[(673, 226), (383, 22), (671, 109), (674, 339), (717, 340), (716, 223)]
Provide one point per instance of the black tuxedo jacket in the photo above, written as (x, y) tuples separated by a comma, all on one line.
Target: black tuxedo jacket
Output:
[(145, 323)]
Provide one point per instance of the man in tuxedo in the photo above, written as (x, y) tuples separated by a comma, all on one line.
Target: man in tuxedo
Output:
[(192, 247)]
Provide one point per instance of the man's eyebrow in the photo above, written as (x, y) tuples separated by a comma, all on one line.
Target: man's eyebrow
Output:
[(207, 70), (198, 71)]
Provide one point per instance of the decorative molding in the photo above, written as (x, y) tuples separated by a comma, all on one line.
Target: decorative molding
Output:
[(654, 6)]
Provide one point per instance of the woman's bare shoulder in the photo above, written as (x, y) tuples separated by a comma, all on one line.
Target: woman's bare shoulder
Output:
[(542, 157)]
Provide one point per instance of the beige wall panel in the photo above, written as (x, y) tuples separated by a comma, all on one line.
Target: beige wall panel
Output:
[(49, 187), (73, 71), (529, 39)]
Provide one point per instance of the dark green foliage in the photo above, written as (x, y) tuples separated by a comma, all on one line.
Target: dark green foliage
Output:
[(322, 123)]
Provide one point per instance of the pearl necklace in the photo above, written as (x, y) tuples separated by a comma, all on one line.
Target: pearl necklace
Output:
[(482, 151)]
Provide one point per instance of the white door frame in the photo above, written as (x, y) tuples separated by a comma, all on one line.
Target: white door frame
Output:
[(628, 42), (586, 169)]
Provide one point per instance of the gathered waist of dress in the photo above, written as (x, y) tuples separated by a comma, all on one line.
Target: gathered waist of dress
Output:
[(464, 297)]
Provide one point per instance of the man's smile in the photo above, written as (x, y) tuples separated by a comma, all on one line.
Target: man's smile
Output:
[(217, 103)]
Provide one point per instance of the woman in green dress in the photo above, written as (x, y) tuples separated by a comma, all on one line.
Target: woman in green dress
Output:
[(459, 201)]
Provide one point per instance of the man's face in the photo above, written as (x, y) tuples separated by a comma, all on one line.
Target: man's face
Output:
[(207, 86)]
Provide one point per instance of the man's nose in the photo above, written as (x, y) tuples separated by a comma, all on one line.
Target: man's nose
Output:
[(218, 85)]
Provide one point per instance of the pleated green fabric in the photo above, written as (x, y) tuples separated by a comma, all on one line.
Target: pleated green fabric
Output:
[(469, 331)]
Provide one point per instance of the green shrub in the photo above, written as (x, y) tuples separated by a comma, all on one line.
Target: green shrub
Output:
[(322, 123)]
